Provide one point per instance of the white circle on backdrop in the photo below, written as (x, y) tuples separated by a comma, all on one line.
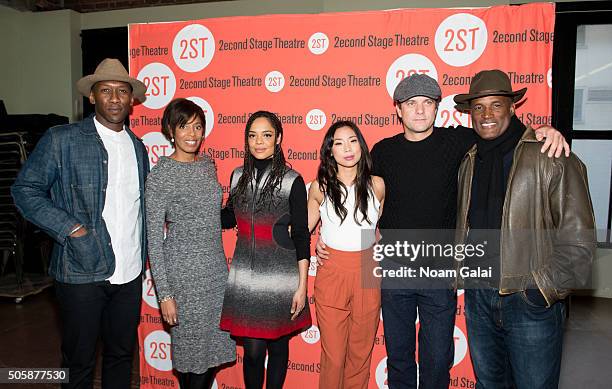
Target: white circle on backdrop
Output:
[(157, 146), (275, 81), (461, 39), (407, 65), (312, 268), (549, 77), (208, 113), (461, 345), (318, 43), (160, 82), (311, 335), (148, 291), (157, 350), (193, 48), (316, 119), (448, 116), (381, 374)]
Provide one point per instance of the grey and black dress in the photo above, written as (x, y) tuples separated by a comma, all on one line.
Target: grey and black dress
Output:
[(189, 264), (264, 273)]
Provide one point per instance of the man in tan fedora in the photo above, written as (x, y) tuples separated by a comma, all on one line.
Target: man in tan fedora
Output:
[(535, 214), (84, 185)]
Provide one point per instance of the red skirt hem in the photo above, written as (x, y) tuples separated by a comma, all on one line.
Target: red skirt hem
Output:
[(264, 333)]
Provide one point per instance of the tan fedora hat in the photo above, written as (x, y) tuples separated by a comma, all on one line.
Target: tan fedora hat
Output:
[(488, 83), (111, 70)]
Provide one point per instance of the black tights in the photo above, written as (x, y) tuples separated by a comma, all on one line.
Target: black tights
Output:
[(255, 356), (196, 381)]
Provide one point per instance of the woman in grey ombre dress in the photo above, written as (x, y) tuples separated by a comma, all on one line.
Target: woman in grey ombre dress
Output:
[(188, 264)]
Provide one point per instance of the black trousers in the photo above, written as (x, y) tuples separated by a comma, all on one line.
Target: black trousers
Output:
[(89, 311)]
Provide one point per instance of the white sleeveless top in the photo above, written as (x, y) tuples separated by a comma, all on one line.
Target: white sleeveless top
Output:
[(349, 236)]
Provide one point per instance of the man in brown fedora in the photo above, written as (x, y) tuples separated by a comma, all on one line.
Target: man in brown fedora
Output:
[(536, 216), (84, 185)]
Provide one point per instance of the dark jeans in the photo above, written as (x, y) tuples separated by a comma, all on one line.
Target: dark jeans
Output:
[(88, 311), (514, 343), (437, 309)]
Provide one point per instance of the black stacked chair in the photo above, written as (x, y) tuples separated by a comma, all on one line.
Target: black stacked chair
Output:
[(23, 246), (12, 226)]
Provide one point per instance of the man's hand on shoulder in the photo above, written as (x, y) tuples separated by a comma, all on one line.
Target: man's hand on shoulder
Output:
[(554, 142), (322, 253)]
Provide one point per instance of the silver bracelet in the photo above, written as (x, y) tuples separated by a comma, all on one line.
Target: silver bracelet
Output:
[(162, 300), (75, 229)]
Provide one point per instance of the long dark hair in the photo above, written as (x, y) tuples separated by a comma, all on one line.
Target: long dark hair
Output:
[(332, 187), (277, 170)]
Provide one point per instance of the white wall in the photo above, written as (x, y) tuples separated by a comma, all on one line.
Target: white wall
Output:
[(198, 11), (11, 46), (42, 53), (41, 61)]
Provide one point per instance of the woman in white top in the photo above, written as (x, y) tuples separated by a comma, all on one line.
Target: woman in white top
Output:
[(348, 200)]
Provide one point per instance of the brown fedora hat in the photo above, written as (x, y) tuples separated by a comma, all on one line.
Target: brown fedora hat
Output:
[(488, 83), (111, 70)]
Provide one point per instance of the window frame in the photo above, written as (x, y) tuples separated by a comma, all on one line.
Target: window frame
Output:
[(568, 16)]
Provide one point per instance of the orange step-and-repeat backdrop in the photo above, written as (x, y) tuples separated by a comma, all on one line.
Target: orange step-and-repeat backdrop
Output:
[(313, 70)]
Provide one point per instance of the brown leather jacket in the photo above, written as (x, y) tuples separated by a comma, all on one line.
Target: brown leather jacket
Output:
[(547, 234)]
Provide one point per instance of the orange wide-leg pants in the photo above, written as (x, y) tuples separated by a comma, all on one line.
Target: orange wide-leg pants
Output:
[(348, 312)]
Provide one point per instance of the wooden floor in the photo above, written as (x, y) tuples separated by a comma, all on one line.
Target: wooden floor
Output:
[(29, 337)]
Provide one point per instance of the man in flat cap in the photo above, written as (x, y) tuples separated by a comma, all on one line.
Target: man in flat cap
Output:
[(83, 185), (419, 167), (540, 212)]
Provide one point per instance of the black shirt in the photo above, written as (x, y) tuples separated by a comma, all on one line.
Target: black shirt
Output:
[(421, 178)]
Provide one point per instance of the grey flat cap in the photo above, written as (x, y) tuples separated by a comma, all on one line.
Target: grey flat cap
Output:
[(417, 85)]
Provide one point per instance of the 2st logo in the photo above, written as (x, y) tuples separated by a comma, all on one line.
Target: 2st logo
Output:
[(275, 81), (316, 119), (311, 335), (461, 39), (148, 291), (193, 48), (406, 66), (160, 82), (312, 268), (448, 116), (318, 43), (158, 350), (157, 146)]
